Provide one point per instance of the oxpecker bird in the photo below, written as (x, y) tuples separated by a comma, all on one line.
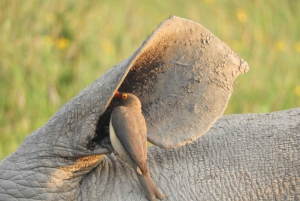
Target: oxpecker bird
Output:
[(128, 135)]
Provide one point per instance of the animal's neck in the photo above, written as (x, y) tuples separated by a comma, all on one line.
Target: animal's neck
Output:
[(136, 107)]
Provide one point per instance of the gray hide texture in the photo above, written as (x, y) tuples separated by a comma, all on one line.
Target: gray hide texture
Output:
[(242, 157), (183, 75)]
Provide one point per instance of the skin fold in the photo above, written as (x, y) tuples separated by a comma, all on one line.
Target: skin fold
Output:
[(240, 158)]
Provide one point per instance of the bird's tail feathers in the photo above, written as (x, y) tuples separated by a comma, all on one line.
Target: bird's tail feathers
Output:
[(149, 187)]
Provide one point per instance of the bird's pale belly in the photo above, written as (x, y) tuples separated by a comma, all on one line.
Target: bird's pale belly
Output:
[(118, 147)]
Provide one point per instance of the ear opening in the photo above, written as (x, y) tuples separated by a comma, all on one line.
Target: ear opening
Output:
[(145, 65)]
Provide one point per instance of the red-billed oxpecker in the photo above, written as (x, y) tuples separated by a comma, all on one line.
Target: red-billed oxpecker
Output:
[(128, 135)]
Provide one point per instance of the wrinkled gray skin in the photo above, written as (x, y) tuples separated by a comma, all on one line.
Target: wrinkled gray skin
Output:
[(242, 157), (183, 76)]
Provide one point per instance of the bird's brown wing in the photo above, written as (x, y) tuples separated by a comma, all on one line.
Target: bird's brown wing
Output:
[(130, 128)]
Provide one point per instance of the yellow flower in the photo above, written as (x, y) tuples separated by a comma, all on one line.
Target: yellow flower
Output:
[(297, 90), (297, 47), (62, 43), (280, 45), (241, 15), (210, 2), (107, 46)]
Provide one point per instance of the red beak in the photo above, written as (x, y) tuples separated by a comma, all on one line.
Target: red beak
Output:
[(117, 94)]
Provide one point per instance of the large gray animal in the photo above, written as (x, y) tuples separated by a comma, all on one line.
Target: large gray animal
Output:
[(183, 76)]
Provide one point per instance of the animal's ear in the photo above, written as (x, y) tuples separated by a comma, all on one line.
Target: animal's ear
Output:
[(183, 75)]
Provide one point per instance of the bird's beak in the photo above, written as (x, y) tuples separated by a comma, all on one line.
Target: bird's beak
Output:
[(117, 94)]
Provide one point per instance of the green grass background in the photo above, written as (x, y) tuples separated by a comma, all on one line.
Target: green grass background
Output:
[(50, 50)]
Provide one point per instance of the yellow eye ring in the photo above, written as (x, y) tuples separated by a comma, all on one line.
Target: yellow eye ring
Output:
[(124, 96)]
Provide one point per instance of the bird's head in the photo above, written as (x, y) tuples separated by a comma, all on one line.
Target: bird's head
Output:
[(128, 99)]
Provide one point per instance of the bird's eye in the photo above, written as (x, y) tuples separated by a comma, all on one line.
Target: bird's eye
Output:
[(124, 96)]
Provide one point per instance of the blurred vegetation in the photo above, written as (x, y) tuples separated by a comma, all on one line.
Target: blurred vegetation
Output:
[(51, 50)]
